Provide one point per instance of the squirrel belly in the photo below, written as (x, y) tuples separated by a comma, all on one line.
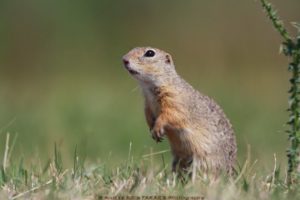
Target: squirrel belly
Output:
[(196, 127)]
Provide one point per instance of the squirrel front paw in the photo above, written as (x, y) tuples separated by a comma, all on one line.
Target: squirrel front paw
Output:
[(157, 133)]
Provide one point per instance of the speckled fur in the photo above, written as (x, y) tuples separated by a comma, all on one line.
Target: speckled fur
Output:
[(195, 125)]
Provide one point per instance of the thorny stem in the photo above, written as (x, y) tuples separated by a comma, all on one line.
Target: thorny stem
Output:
[(277, 23), (291, 49)]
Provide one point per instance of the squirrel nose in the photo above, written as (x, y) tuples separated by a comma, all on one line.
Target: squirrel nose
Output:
[(125, 61)]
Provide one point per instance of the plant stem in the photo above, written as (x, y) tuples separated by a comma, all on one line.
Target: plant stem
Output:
[(277, 23), (291, 49)]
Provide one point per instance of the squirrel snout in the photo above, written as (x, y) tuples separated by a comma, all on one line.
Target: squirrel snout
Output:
[(130, 70), (125, 61)]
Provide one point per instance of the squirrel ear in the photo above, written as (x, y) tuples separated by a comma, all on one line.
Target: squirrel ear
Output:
[(168, 59)]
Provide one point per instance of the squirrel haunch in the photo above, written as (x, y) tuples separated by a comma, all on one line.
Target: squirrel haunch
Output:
[(195, 125)]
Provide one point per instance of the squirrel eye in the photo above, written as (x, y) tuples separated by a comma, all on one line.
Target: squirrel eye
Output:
[(149, 53)]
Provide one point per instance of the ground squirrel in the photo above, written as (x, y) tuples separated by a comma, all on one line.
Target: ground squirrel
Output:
[(196, 127)]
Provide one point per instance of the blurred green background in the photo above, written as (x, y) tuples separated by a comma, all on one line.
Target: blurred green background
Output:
[(62, 80)]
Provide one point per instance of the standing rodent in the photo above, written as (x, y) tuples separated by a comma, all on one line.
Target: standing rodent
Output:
[(196, 127)]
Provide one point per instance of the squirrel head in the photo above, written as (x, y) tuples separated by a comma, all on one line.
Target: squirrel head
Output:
[(149, 65)]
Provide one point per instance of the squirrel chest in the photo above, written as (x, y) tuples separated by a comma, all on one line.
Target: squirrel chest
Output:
[(163, 104), (152, 101)]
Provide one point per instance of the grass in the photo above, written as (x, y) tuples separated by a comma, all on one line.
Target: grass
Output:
[(145, 177)]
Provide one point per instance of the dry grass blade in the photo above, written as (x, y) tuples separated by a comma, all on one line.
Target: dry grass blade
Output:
[(31, 190), (155, 153), (5, 158)]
